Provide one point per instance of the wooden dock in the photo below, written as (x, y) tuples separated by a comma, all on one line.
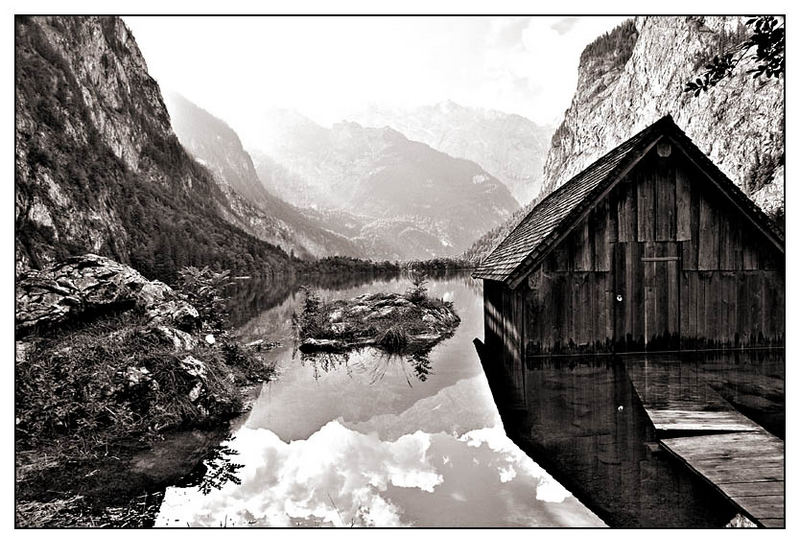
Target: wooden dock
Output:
[(697, 426), (747, 467)]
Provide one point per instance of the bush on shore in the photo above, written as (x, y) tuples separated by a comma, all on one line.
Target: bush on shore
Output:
[(112, 377)]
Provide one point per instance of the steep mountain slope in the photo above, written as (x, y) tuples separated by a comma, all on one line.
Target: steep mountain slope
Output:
[(218, 148), (405, 199), (636, 74), (98, 167), (508, 146), (214, 145)]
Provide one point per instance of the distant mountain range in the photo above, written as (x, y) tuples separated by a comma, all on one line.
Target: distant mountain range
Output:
[(508, 146), (217, 147), (103, 166), (394, 197), (100, 169)]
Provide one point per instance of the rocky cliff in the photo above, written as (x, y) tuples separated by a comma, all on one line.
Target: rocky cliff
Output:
[(217, 147), (406, 199), (98, 167), (633, 75), (508, 146), (636, 74)]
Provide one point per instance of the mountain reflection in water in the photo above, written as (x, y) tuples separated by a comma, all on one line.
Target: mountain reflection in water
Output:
[(372, 439)]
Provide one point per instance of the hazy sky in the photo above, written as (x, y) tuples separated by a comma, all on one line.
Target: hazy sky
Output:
[(330, 67)]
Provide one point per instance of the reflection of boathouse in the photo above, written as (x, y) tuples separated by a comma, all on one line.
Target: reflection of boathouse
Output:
[(585, 420), (650, 248)]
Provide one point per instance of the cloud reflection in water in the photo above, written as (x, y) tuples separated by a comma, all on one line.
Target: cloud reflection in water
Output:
[(367, 442), (342, 477)]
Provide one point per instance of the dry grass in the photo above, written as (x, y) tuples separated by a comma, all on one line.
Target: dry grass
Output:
[(73, 389)]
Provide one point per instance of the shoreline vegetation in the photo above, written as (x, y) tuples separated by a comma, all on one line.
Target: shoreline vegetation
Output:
[(109, 366), (344, 264), (126, 382)]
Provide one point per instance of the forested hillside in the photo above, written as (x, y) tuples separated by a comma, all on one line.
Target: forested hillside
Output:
[(98, 167)]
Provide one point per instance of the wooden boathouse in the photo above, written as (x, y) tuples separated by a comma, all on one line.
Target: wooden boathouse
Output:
[(651, 247)]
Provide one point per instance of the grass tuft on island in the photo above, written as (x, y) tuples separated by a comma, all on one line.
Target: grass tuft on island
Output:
[(395, 322)]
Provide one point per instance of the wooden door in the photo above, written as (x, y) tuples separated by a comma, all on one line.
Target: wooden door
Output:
[(661, 310), (627, 299), (646, 296)]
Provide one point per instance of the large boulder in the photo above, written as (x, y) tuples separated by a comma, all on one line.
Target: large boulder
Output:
[(158, 363), (83, 285)]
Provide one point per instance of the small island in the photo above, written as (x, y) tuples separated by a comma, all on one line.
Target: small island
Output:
[(398, 323)]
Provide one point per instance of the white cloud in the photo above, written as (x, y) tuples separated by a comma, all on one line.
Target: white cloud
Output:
[(547, 489), (333, 477), (328, 68)]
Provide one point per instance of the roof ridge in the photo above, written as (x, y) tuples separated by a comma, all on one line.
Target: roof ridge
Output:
[(665, 120)]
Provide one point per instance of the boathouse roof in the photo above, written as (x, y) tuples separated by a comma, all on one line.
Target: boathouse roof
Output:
[(551, 218)]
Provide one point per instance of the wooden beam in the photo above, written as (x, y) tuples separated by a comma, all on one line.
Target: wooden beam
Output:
[(518, 274), (662, 259), (768, 233)]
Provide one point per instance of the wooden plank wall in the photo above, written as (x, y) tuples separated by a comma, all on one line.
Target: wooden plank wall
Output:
[(503, 329), (569, 300), (710, 279), (492, 317)]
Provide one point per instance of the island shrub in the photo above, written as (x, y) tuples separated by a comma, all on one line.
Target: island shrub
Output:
[(393, 339), (393, 321), (419, 286)]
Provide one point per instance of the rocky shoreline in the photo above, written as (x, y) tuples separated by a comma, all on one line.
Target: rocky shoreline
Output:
[(110, 368)]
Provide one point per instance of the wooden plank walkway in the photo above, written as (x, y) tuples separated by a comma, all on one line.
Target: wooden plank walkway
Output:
[(680, 420), (698, 427), (747, 467)]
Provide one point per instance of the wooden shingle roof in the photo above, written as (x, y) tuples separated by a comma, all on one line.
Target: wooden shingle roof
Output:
[(546, 222)]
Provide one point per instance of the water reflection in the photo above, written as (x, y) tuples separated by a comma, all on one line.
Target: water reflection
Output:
[(584, 421), (416, 366), (340, 476), (367, 438), (421, 362)]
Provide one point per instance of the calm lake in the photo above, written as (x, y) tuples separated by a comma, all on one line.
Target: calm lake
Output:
[(371, 439)]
